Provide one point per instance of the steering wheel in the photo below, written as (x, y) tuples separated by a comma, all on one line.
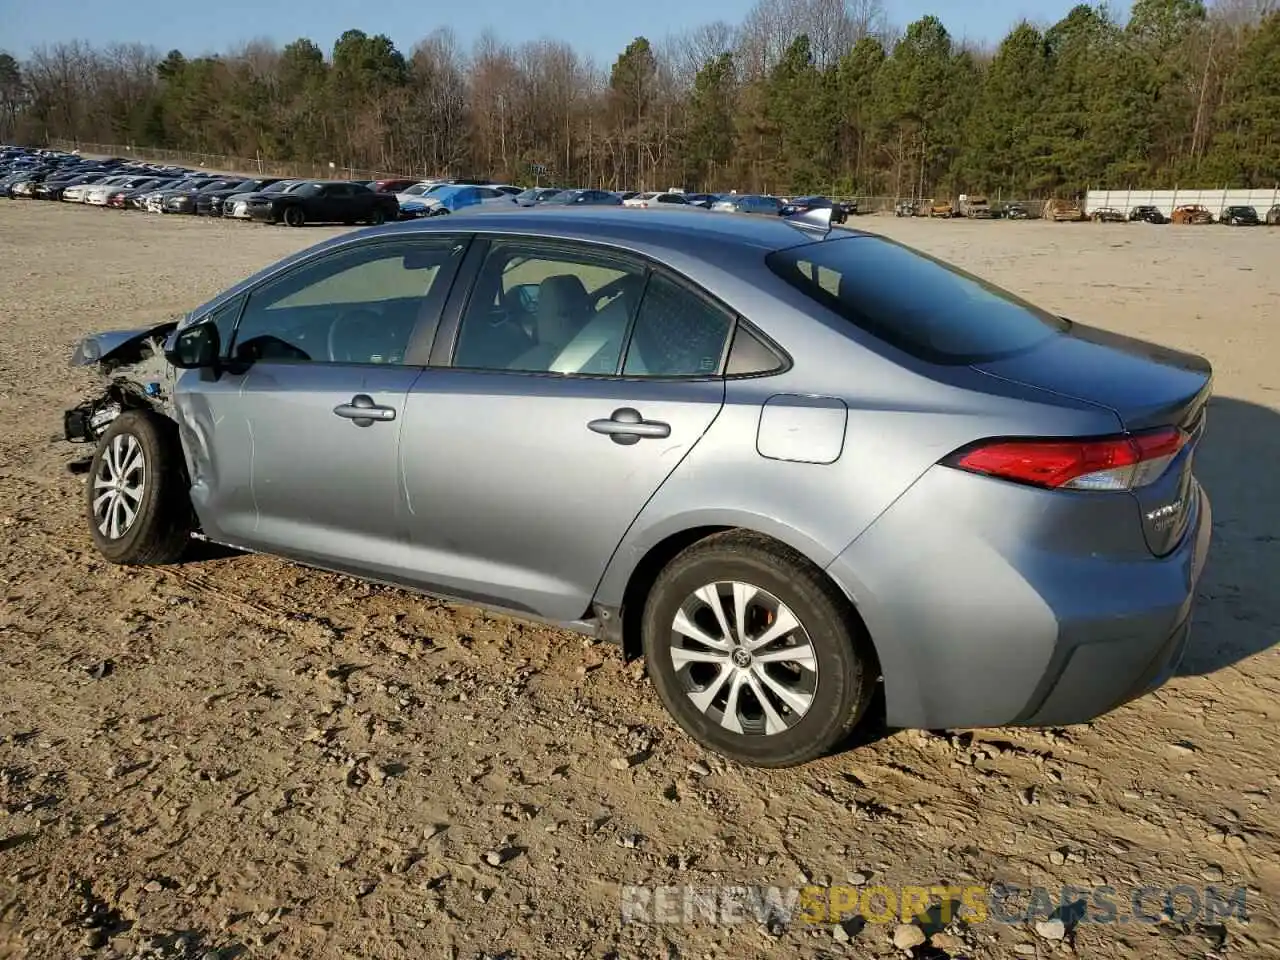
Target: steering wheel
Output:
[(360, 317)]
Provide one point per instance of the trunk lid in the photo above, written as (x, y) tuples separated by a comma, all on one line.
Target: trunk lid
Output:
[(1146, 386)]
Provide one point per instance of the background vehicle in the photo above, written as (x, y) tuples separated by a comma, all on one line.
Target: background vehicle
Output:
[(676, 459), (1107, 215), (153, 202), (1016, 211), (1240, 216), (1059, 210), (975, 207), (591, 198), (704, 200), (451, 197), (389, 185), (52, 188), (748, 203), (184, 201), (98, 194), (655, 198), (1192, 213), (209, 201), (125, 198), (1273, 216), (236, 206), (323, 201), (535, 195), (904, 208), (1147, 214), (805, 204), (941, 208)]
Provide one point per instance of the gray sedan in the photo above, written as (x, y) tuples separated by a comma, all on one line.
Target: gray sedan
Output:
[(785, 462)]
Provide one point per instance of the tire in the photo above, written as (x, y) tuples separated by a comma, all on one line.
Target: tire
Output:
[(842, 680), (161, 527), (294, 217), (379, 217)]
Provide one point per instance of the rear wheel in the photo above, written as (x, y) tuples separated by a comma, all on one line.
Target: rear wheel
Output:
[(294, 217), (754, 652), (379, 217), (135, 495)]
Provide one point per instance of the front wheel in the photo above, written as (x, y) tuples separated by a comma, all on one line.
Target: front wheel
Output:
[(294, 217), (135, 496), (755, 653), (379, 217)]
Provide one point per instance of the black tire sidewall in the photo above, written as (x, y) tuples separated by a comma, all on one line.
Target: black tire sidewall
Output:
[(842, 684), (159, 512), (379, 218), (294, 217)]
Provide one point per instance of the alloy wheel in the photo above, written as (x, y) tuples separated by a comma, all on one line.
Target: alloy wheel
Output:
[(743, 658), (119, 485)]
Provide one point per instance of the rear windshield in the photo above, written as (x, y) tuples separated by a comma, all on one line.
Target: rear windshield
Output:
[(923, 306)]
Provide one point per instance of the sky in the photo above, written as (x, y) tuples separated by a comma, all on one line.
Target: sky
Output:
[(598, 29)]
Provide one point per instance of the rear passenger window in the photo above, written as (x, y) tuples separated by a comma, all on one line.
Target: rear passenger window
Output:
[(918, 304), (750, 356), (677, 333)]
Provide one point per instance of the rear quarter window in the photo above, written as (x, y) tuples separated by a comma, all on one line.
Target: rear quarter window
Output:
[(920, 305)]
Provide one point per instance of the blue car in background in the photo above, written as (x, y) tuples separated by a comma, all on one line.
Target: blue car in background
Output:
[(457, 197)]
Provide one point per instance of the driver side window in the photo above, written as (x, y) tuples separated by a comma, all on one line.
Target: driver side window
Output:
[(549, 309), (358, 305)]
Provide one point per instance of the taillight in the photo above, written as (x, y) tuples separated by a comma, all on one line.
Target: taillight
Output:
[(1110, 463)]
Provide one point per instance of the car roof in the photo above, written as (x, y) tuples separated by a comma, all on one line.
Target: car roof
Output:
[(679, 228), (682, 237)]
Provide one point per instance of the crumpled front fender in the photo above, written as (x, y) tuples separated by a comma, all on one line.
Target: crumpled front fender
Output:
[(116, 347)]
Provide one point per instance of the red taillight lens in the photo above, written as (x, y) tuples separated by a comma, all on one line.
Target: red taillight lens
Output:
[(1111, 463)]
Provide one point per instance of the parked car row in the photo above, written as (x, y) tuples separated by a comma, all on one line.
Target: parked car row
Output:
[(1066, 211), (122, 184), (1190, 213)]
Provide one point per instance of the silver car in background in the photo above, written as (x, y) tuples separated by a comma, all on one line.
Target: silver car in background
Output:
[(782, 461)]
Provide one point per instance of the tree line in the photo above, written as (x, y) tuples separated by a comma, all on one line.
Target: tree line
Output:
[(803, 95)]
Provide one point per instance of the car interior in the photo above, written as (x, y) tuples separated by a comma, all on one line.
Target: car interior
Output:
[(365, 313)]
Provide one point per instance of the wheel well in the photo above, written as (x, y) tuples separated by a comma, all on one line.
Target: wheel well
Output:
[(646, 572), (642, 578)]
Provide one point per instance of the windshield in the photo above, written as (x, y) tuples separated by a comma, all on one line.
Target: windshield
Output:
[(417, 190), (918, 304)]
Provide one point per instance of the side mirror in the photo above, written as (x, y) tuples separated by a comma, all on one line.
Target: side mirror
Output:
[(195, 347)]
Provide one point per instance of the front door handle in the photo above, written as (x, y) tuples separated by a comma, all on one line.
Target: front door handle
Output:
[(626, 427), (362, 411)]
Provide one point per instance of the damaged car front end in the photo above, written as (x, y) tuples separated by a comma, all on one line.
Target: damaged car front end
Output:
[(138, 377)]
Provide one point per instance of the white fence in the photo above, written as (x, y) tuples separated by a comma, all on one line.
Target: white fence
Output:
[(1165, 200)]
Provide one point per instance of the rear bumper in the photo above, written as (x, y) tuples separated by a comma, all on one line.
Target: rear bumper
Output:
[(1005, 616)]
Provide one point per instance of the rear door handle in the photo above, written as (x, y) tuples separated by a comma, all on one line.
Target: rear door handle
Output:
[(626, 427), (362, 411)]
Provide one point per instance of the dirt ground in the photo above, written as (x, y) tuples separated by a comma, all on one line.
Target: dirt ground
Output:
[(239, 757)]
